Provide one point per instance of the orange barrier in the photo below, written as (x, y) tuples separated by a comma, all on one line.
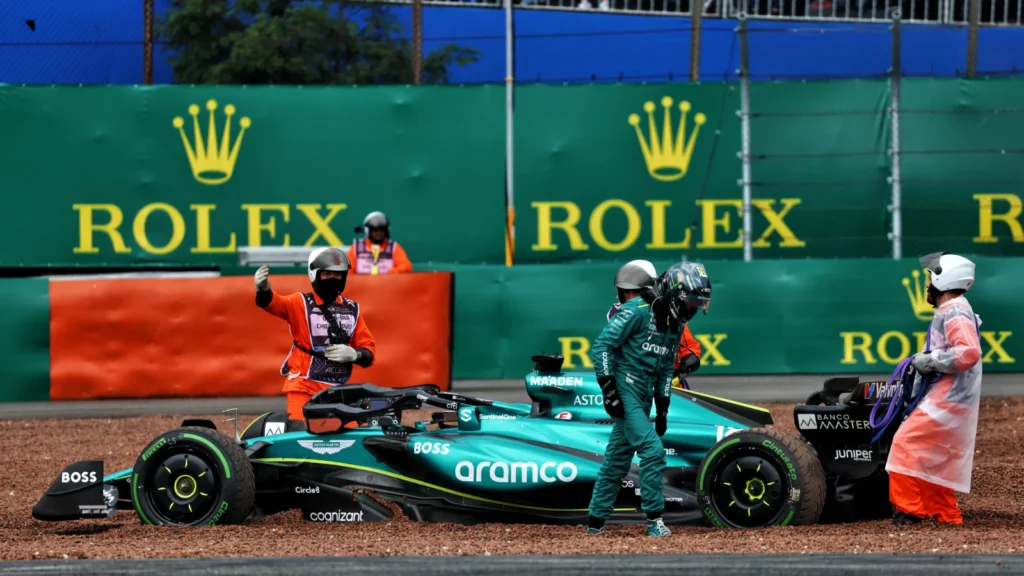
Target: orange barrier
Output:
[(190, 337)]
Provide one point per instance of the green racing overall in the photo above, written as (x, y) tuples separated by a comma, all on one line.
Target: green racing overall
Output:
[(640, 359)]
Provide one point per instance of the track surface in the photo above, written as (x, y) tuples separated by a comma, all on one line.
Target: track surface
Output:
[(38, 446), (739, 388), (717, 564)]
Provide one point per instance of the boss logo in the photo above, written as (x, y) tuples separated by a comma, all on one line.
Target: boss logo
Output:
[(430, 448), (78, 477)]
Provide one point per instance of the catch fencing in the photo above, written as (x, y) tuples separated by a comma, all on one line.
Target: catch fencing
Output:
[(949, 12)]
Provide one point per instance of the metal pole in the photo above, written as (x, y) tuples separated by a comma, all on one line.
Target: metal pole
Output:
[(973, 20), (696, 13), (147, 41), (510, 210), (748, 250), (417, 41), (894, 111)]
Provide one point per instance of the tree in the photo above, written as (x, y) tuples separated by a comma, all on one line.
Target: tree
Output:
[(283, 42)]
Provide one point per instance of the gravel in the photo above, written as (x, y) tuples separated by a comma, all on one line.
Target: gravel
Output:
[(36, 451)]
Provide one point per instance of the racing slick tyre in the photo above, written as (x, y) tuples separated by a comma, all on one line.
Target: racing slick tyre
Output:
[(193, 476), (760, 477)]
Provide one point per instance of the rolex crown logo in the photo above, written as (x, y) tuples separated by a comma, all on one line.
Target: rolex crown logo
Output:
[(212, 163), (918, 295), (667, 160)]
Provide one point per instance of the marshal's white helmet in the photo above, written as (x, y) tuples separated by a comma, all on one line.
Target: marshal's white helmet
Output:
[(635, 274), (949, 271), (327, 258)]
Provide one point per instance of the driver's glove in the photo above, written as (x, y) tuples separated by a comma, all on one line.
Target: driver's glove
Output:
[(661, 415), (341, 353), (612, 401), (687, 366)]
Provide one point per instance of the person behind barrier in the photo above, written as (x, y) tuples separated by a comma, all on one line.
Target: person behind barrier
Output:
[(329, 332), (633, 359), (933, 450), (639, 274), (376, 253)]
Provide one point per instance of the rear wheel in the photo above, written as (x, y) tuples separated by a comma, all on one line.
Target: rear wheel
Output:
[(193, 476), (761, 477)]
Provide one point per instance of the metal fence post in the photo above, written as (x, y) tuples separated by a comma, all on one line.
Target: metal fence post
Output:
[(696, 12), (510, 207), (147, 41), (748, 250), (973, 20), (894, 152), (417, 41)]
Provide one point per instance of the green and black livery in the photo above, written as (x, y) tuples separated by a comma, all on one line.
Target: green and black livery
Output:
[(477, 460)]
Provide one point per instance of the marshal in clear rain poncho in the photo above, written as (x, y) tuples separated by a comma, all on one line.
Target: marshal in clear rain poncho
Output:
[(936, 442)]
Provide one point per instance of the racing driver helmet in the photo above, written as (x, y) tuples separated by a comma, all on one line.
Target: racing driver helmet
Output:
[(687, 288)]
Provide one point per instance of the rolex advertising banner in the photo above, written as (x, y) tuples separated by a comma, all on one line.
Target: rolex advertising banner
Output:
[(179, 174), (769, 317), (620, 172), (185, 175)]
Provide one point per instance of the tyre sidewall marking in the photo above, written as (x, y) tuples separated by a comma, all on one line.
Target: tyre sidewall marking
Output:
[(168, 440), (705, 491), (787, 469), (796, 481)]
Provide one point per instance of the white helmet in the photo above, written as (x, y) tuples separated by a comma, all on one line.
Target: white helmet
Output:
[(949, 271), (635, 274), (327, 258)]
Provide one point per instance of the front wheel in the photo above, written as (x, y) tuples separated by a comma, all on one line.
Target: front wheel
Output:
[(193, 476), (760, 477)]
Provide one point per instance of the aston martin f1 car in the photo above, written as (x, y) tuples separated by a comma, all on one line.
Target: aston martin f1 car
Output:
[(475, 460)]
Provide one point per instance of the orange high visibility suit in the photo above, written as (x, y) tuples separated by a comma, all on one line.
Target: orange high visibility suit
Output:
[(306, 370), (688, 345), (932, 453), (387, 258)]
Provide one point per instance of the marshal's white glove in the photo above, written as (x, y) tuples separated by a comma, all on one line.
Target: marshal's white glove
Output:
[(341, 353), (262, 279), (924, 364)]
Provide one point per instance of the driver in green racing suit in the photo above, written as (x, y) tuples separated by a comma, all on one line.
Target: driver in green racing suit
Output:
[(634, 358)]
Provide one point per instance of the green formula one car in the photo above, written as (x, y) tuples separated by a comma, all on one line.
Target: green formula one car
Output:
[(478, 460)]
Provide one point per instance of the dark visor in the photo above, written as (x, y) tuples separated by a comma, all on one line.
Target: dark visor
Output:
[(931, 261)]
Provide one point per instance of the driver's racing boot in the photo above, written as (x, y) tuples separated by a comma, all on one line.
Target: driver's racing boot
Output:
[(596, 526), (656, 527)]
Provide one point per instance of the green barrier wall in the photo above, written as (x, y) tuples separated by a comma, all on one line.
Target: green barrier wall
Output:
[(129, 176), (781, 317), (961, 163), (25, 340)]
